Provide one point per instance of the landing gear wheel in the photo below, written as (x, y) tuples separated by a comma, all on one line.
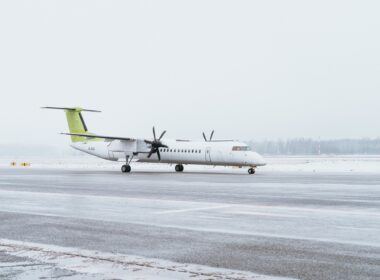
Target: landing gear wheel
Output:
[(179, 168), (251, 171), (126, 168)]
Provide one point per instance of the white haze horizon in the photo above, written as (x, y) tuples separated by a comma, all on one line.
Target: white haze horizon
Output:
[(59, 150), (248, 69)]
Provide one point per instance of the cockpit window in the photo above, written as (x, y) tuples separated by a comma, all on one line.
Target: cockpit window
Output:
[(241, 148)]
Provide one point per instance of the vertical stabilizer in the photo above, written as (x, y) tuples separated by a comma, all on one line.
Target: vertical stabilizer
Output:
[(76, 123)]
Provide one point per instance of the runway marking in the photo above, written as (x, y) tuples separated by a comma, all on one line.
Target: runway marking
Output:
[(266, 214), (193, 209), (43, 203), (308, 210), (14, 184), (359, 228)]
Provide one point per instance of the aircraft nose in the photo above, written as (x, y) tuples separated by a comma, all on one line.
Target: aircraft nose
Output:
[(262, 161), (259, 160)]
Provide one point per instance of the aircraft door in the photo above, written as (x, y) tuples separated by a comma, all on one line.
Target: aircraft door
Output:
[(208, 154)]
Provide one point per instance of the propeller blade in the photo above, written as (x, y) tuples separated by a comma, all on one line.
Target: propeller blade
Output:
[(212, 134), (153, 150), (204, 136), (162, 134), (156, 144), (154, 134)]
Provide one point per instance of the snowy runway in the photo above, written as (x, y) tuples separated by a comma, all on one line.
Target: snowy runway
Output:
[(328, 224), (289, 224)]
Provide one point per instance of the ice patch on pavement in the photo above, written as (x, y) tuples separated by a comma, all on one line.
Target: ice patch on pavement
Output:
[(74, 263)]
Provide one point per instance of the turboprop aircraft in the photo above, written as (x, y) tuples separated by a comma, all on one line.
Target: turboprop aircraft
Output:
[(157, 149)]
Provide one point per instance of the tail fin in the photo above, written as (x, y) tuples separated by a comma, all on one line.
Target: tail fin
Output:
[(76, 122)]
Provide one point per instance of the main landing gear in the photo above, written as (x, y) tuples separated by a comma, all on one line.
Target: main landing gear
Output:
[(126, 168), (251, 171), (179, 168)]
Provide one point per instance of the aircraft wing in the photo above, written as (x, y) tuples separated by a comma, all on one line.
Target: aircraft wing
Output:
[(100, 136)]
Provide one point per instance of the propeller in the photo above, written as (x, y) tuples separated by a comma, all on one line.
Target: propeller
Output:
[(156, 144), (211, 135)]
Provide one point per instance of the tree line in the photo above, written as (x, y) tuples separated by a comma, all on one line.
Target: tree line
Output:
[(305, 146)]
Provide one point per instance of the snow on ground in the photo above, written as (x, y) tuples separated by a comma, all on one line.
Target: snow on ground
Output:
[(39, 259), (323, 163)]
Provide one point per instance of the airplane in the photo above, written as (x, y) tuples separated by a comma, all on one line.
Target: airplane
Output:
[(158, 150)]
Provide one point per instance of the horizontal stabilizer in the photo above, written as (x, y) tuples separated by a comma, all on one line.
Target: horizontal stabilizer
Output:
[(76, 109), (99, 136)]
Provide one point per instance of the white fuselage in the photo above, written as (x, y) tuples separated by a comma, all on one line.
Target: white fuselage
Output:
[(226, 153)]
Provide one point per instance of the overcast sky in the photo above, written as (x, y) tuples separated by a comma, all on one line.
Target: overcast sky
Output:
[(248, 69)]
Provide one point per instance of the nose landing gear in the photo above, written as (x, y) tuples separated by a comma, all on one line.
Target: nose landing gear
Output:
[(251, 171), (179, 168), (126, 168)]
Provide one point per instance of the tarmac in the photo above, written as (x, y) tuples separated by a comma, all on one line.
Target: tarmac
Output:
[(298, 225)]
